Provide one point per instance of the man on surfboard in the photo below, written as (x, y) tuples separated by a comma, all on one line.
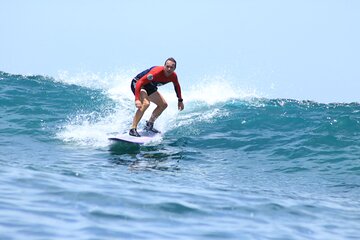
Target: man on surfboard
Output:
[(144, 86)]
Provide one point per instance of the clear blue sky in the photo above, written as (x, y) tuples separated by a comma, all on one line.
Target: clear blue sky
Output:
[(302, 49)]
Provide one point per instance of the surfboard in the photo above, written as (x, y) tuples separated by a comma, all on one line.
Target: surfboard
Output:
[(146, 137)]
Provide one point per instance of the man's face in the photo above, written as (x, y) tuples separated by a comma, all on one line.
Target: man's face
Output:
[(169, 68)]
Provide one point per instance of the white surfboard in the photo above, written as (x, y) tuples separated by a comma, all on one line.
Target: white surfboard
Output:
[(146, 137)]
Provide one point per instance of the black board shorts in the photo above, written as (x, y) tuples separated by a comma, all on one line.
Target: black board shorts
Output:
[(149, 88)]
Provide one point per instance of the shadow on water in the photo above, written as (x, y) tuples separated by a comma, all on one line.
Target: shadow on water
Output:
[(121, 148), (145, 157)]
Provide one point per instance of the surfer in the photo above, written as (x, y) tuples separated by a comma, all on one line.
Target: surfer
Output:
[(144, 86)]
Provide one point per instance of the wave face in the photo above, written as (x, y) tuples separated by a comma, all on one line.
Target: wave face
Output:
[(231, 165)]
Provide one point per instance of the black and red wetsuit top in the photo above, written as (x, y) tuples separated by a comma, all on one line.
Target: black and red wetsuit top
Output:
[(153, 77)]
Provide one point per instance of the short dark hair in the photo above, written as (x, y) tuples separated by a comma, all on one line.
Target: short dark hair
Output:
[(171, 59)]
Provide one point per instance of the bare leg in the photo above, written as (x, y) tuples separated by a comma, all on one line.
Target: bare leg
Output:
[(144, 98), (161, 105)]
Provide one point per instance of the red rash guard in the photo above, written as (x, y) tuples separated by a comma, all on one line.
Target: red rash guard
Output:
[(156, 77)]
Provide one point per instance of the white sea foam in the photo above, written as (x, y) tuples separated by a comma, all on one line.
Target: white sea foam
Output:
[(215, 89)]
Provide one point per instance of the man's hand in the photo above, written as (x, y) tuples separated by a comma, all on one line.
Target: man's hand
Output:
[(180, 106), (138, 104)]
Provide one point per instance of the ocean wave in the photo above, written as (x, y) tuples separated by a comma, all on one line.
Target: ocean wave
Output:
[(73, 110), (254, 162)]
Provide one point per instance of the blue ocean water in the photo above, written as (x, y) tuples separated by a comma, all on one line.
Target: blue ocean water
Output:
[(234, 166)]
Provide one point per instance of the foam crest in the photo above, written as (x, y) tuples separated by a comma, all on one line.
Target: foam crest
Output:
[(116, 85), (217, 89)]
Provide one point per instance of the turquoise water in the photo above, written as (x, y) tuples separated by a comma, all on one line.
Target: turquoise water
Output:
[(229, 168)]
